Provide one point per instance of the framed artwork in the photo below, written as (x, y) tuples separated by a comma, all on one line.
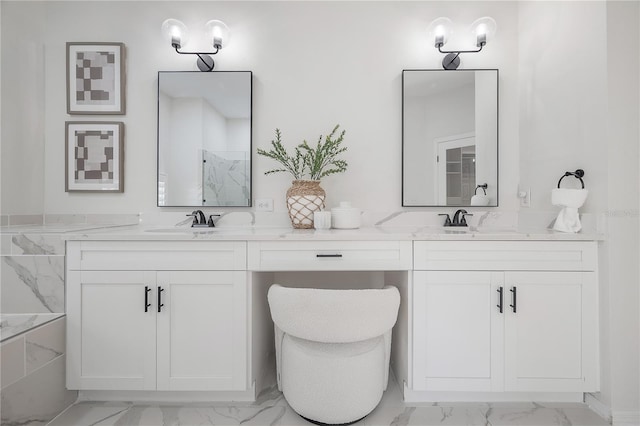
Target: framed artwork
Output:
[(94, 156), (95, 78)]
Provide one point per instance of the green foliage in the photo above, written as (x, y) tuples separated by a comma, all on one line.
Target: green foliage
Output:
[(293, 164), (317, 162)]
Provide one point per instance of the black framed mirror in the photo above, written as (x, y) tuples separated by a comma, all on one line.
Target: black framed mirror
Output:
[(450, 138), (204, 138)]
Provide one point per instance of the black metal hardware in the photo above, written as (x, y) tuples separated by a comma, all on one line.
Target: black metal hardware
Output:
[(578, 174), (499, 305), (160, 304), (452, 60), (484, 189), (146, 298), (328, 255), (212, 223), (463, 221), (205, 62), (458, 218), (513, 297), (447, 221), (195, 218), (200, 220)]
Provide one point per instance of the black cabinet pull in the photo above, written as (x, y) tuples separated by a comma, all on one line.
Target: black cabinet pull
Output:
[(160, 304), (328, 255), (513, 297), (499, 305), (146, 298)]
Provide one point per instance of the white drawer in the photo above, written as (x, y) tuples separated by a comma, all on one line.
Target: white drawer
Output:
[(157, 256), (505, 255), (329, 255)]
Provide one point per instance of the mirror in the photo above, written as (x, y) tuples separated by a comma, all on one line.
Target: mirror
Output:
[(204, 138), (449, 138)]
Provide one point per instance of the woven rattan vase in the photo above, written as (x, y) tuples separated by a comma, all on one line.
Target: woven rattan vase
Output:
[(303, 198)]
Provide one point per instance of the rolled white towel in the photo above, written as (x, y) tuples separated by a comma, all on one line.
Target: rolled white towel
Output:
[(569, 197), (568, 219), (480, 200)]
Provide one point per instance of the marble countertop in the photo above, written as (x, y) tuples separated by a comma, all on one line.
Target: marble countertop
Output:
[(164, 233), (56, 228)]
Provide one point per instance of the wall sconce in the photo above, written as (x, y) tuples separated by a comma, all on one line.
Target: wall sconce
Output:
[(177, 34), (441, 29)]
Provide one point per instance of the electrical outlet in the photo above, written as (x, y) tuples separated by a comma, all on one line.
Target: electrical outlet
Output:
[(525, 197), (264, 205)]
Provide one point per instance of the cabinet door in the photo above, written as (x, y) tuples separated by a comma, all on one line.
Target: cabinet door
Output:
[(551, 334), (202, 330), (457, 331), (111, 339)]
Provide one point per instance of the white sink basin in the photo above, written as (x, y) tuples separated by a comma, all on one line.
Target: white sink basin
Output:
[(185, 230), (493, 230)]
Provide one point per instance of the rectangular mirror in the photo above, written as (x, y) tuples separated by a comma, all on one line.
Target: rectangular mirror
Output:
[(204, 138), (449, 138)]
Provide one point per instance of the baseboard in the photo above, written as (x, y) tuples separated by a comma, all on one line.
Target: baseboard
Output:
[(412, 396), (625, 418), (599, 407), (168, 396)]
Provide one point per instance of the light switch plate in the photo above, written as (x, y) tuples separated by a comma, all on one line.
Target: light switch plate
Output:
[(264, 204), (525, 197)]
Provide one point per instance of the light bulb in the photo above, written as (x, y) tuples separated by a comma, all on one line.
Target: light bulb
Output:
[(440, 30), (483, 29), (175, 32), (218, 33)]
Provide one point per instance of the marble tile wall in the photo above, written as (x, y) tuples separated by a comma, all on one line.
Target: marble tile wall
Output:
[(32, 259), (32, 273), (33, 376)]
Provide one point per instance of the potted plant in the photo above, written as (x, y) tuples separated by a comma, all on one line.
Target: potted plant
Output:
[(308, 165)]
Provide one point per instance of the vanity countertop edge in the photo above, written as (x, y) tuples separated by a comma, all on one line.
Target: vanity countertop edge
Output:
[(157, 233)]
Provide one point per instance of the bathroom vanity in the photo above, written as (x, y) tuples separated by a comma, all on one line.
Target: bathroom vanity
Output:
[(484, 316)]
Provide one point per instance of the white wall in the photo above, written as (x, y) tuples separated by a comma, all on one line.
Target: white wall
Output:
[(563, 98), (23, 109), (621, 300), (303, 84), (214, 129), (238, 134), (428, 118), (486, 131), (579, 109), (184, 183)]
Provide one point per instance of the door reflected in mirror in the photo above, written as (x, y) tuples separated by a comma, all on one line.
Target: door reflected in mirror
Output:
[(449, 137), (204, 138)]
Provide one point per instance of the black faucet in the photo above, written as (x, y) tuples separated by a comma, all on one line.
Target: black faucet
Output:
[(459, 218), (199, 218), (212, 222)]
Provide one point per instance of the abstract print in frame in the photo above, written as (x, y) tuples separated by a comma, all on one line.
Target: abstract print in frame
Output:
[(94, 156), (95, 78)]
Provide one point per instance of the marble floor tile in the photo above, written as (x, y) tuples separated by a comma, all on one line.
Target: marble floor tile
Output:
[(38, 397), (271, 409)]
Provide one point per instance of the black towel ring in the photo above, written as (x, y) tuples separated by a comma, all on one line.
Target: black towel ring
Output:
[(578, 174), (484, 189)]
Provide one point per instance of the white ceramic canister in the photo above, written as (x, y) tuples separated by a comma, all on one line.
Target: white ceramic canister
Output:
[(322, 220), (345, 216)]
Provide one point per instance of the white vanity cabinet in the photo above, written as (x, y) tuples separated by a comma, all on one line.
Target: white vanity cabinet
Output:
[(329, 255), (157, 315), (505, 316)]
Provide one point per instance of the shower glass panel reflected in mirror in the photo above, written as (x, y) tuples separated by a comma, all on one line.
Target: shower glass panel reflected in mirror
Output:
[(449, 136), (204, 138)]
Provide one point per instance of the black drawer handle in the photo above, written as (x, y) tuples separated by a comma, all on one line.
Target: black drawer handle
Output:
[(160, 304), (513, 297), (146, 298), (499, 305), (328, 255)]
